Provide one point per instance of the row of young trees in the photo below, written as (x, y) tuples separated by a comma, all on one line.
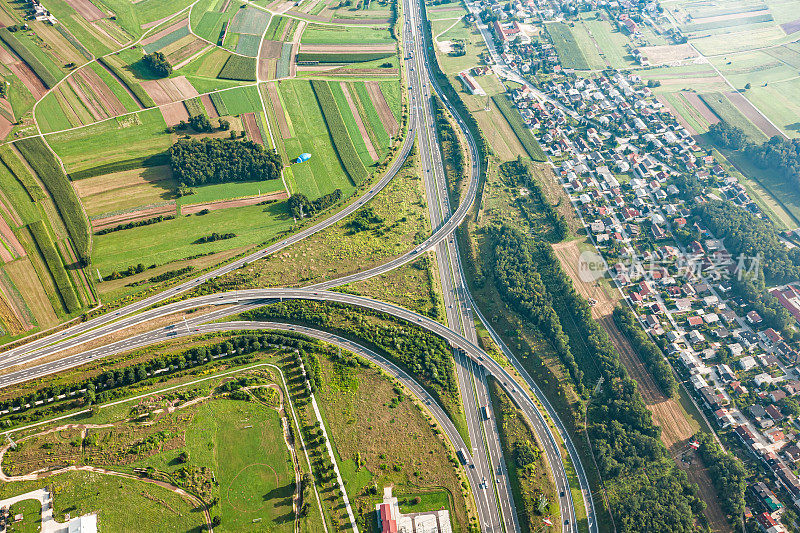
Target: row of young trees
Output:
[(647, 350), (197, 162), (424, 355), (110, 384)]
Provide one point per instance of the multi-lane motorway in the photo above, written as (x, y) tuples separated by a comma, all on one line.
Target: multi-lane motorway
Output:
[(486, 471)]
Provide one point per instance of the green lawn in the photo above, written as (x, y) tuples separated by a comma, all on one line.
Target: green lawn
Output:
[(116, 500), (243, 444), (31, 511), (117, 139), (323, 173), (252, 224), (354, 34), (223, 191)]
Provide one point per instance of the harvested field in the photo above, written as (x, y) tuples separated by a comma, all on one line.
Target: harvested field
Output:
[(211, 111), (174, 113), (169, 208), (186, 52), (94, 107), (346, 48), (30, 80), (86, 9), (240, 202), (360, 123), (169, 90), (700, 106), (662, 55), (24, 277), (5, 127), (791, 27), (108, 99), (693, 81), (382, 107), (251, 128), (122, 180), (753, 115), (280, 114), (11, 241), (8, 316), (163, 33), (729, 16), (271, 49)]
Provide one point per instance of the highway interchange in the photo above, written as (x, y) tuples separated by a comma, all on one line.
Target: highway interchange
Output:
[(485, 469)]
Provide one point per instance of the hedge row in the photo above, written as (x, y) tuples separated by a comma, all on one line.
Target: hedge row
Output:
[(69, 206), (341, 139), (135, 224), (16, 167), (120, 166), (524, 135), (129, 82), (357, 57), (238, 68), (47, 77), (647, 350), (56, 265)]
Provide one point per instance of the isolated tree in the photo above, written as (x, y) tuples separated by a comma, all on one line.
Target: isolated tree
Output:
[(157, 64)]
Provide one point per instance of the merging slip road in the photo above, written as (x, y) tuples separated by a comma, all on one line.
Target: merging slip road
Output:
[(485, 469)]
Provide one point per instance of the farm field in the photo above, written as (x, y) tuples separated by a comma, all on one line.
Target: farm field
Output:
[(725, 109), (126, 189), (569, 50), (225, 191), (252, 225), (119, 139), (323, 173), (355, 34)]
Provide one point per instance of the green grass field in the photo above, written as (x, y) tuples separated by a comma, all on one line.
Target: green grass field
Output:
[(224, 191), (242, 443), (31, 511), (567, 47), (323, 173), (115, 500), (207, 21), (116, 139), (354, 34), (50, 116), (372, 424), (132, 16), (241, 100), (252, 224)]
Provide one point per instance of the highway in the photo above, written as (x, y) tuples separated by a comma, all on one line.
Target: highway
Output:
[(493, 499), (238, 301)]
